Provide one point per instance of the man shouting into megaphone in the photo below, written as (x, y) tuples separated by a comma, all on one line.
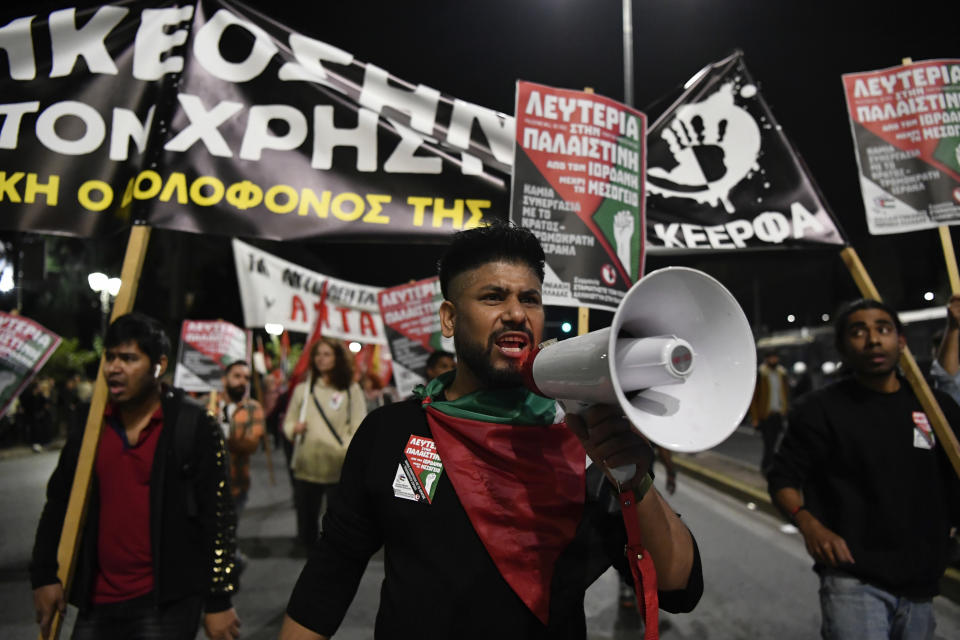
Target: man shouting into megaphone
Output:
[(477, 489)]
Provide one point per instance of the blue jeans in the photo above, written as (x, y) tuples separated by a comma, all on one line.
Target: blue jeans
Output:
[(854, 610), (140, 619)]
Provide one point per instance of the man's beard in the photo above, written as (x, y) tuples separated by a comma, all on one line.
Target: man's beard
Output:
[(477, 358), (236, 393)]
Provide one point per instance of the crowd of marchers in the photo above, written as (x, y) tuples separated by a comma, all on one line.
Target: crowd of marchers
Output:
[(495, 501)]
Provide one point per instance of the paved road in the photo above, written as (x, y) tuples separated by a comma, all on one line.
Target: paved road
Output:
[(23, 481), (744, 445), (759, 583)]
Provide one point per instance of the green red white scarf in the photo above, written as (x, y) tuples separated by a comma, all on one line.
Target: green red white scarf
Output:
[(519, 474)]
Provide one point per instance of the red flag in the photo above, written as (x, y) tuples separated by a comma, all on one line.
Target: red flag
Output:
[(303, 364), (370, 360)]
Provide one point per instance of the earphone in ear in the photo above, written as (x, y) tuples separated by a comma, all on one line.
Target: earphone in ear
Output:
[(156, 371)]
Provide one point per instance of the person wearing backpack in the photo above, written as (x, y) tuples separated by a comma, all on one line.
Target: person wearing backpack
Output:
[(157, 547), (334, 407)]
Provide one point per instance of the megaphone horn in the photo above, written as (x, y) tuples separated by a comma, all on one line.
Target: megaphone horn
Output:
[(679, 358)]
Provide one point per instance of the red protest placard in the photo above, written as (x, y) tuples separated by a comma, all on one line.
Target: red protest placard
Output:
[(578, 186), (906, 131)]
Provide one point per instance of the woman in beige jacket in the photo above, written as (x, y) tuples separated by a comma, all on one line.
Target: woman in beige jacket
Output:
[(335, 405)]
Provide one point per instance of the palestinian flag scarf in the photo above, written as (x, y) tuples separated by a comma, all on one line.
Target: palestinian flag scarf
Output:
[(519, 473)]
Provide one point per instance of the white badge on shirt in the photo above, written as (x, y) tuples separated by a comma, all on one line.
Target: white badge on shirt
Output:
[(402, 487), (336, 400), (923, 437)]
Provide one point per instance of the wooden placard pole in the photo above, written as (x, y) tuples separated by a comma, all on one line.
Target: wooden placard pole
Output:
[(80, 490), (950, 258), (583, 313), (909, 365)]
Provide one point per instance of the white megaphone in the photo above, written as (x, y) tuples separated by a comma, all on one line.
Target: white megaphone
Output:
[(679, 358)]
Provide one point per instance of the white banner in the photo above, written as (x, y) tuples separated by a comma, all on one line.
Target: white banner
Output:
[(274, 290)]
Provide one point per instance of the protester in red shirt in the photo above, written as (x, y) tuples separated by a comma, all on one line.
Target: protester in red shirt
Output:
[(160, 464)]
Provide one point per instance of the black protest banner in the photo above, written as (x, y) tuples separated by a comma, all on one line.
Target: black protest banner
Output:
[(578, 186), (906, 132), (25, 347), (212, 118), (79, 93), (722, 175), (278, 135)]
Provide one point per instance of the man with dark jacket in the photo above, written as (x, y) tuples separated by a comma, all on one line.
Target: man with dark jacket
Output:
[(862, 476), (158, 544)]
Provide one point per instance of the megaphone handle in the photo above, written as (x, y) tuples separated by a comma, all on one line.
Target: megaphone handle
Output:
[(618, 476), (642, 568)]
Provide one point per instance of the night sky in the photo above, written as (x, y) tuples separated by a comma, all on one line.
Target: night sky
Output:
[(476, 51)]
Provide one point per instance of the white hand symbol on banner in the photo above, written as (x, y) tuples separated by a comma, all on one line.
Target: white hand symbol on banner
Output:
[(715, 145)]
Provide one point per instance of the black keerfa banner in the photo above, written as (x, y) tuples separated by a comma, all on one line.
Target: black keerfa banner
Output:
[(722, 175), (213, 118)]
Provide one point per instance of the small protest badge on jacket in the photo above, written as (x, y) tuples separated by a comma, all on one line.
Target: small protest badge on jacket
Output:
[(419, 472), (923, 437)]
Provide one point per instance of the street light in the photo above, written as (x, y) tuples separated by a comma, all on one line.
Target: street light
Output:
[(273, 328), (6, 279), (108, 288), (98, 281)]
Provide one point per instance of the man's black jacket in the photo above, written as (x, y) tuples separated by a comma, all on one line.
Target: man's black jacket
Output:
[(192, 519)]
